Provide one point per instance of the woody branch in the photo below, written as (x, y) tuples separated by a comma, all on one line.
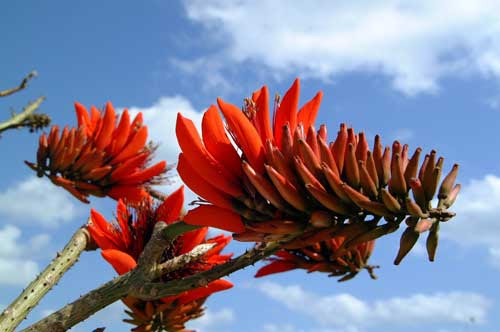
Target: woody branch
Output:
[(140, 281)]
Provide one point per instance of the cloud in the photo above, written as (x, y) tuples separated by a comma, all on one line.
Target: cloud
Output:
[(415, 44), (478, 213), (213, 320), (36, 200), (17, 266), (352, 314), (160, 119)]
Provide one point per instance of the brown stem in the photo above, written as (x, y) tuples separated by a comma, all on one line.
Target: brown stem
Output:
[(23, 85), (14, 314), (26, 118), (138, 282)]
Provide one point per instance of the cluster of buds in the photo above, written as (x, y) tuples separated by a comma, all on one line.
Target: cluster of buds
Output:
[(103, 156), (149, 316), (123, 242), (289, 181), (328, 256)]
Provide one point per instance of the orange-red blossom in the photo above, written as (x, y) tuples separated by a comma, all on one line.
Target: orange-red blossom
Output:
[(122, 242), (106, 155), (283, 178), (327, 256)]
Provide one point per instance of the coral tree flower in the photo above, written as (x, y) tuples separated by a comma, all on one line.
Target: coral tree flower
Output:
[(283, 177), (105, 155), (123, 242), (327, 256)]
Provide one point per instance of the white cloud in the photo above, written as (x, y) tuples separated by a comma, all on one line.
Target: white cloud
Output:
[(160, 119), (352, 314), (478, 215), (36, 200), (415, 44), (213, 320), (17, 266)]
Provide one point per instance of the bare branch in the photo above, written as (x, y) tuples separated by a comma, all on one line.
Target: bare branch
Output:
[(138, 282), (178, 262), (26, 118), (23, 85), (14, 314)]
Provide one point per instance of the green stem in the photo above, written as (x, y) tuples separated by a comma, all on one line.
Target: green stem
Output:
[(14, 314)]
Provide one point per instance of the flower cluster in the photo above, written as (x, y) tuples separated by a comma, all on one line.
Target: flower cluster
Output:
[(122, 243), (329, 256), (285, 179), (104, 156)]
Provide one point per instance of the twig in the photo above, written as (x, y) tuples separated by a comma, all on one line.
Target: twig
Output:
[(157, 194), (138, 283), (26, 118), (13, 315), (178, 262), (23, 85)]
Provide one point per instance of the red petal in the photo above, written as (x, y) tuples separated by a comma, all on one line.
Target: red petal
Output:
[(82, 115), (217, 142), (287, 111), (108, 126), (98, 223), (192, 239), (275, 267), (198, 293), (262, 117), (307, 114), (209, 215), (133, 146), (131, 194), (206, 165), (170, 210), (246, 135), (201, 187), (121, 261), (130, 166), (145, 174), (121, 133)]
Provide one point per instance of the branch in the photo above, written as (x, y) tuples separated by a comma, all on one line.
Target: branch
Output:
[(26, 118), (178, 262), (13, 315), (157, 194), (23, 85), (138, 282)]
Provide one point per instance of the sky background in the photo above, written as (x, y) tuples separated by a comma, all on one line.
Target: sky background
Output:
[(424, 72)]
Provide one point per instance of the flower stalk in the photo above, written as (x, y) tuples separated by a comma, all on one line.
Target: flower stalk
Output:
[(14, 314), (135, 283)]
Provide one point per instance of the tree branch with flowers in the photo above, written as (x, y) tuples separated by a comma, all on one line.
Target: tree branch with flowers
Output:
[(277, 182)]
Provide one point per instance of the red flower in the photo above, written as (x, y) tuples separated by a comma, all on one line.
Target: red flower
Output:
[(329, 256), (123, 242), (281, 176), (104, 156)]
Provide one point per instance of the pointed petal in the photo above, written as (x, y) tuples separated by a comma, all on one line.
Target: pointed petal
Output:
[(145, 174), (170, 210), (246, 135), (121, 261), (108, 126), (217, 142), (132, 147), (131, 194), (287, 111), (201, 292), (213, 216), (307, 114), (263, 117), (191, 239), (277, 266), (206, 165), (201, 187)]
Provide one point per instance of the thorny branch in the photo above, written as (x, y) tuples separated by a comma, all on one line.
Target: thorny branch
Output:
[(140, 281)]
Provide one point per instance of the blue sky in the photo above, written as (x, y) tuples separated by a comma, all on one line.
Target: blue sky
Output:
[(426, 72)]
